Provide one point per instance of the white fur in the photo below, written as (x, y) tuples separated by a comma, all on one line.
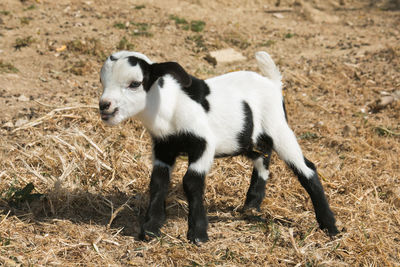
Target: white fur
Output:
[(262, 171), (169, 110)]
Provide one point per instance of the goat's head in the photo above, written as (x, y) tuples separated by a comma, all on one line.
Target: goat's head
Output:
[(127, 77)]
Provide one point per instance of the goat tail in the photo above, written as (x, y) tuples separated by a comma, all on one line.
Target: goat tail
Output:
[(268, 67)]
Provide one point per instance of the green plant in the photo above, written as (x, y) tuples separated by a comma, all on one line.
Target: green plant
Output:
[(236, 39), (289, 35), (268, 43), (194, 25), (7, 67), (21, 195), (308, 136), (88, 46), (31, 7), (78, 68), (138, 7), (197, 25), (23, 42), (25, 20), (198, 40), (141, 29), (124, 44), (386, 131), (120, 25), (178, 20), (5, 241)]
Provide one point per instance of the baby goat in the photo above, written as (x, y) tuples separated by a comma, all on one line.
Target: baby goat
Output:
[(239, 113)]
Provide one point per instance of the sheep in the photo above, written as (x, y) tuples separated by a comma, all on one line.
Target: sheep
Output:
[(239, 113)]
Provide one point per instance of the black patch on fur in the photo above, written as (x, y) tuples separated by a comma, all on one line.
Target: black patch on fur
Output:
[(195, 88), (133, 61), (155, 215), (161, 82), (256, 192), (147, 82), (198, 91), (112, 58), (151, 72), (244, 137), (193, 185), (314, 188), (172, 68), (168, 148), (264, 143)]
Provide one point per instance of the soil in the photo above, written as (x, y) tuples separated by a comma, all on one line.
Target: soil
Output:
[(337, 58)]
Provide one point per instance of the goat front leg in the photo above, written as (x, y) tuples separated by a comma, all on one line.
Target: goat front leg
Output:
[(155, 215), (193, 185)]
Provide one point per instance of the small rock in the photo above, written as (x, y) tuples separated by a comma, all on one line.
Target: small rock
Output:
[(23, 98), (381, 103), (210, 60), (8, 124), (370, 83), (349, 130), (20, 258), (20, 122), (278, 15), (228, 55)]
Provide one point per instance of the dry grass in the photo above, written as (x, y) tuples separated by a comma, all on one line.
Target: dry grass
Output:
[(93, 179)]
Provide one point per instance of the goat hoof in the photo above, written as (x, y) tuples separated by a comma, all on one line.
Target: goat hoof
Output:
[(251, 210), (198, 241), (252, 204), (148, 232), (331, 230), (147, 235), (197, 238), (328, 225)]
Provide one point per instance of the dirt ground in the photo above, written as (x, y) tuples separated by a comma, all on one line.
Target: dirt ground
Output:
[(73, 191)]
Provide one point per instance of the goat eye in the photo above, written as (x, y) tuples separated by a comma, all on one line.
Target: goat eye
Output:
[(134, 84)]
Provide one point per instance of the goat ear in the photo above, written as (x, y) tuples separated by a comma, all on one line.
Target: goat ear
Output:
[(174, 69)]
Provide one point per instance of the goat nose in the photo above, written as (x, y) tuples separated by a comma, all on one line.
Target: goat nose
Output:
[(104, 105)]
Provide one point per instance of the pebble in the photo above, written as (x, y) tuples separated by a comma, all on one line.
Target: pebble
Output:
[(8, 124), (23, 98), (228, 55), (20, 122)]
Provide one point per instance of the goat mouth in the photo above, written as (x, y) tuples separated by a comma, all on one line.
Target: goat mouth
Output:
[(105, 116)]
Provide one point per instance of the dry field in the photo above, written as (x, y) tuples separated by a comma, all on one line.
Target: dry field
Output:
[(73, 191)]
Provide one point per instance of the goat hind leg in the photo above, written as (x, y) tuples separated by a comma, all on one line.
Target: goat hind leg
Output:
[(256, 192), (285, 144)]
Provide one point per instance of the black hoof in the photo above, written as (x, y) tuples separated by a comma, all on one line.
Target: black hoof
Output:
[(330, 230), (327, 224), (196, 237), (149, 232)]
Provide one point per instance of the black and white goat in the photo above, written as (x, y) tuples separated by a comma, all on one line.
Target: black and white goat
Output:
[(239, 113)]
